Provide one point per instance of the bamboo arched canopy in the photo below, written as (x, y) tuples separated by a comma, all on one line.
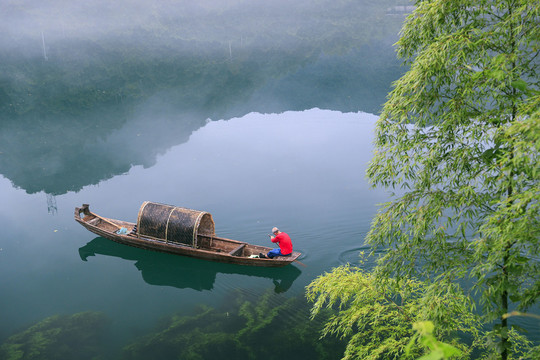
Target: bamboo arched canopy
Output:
[(173, 224)]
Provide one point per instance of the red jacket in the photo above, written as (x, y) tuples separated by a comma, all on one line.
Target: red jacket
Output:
[(284, 242)]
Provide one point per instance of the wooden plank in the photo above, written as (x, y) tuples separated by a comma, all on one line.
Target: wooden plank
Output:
[(109, 222), (237, 250)]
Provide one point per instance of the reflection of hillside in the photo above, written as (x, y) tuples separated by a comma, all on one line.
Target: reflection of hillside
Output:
[(61, 152), (356, 81), (99, 105), (67, 154), (184, 272)]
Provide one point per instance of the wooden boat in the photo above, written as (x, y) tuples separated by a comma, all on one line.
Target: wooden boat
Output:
[(178, 231)]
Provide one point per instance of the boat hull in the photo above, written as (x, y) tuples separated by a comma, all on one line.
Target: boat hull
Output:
[(212, 248)]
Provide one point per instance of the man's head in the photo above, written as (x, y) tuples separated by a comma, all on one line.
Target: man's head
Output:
[(275, 231)]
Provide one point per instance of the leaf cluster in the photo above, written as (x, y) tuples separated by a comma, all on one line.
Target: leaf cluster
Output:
[(438, 349), (377, 317), (459, 138)]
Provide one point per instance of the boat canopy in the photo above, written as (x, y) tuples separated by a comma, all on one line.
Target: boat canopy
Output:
[(173, 224)]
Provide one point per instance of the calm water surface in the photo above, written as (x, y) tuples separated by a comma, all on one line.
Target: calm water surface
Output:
[(237, 109), (302, 171)]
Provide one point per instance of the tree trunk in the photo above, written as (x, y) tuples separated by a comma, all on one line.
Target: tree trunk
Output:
[(505, 343)]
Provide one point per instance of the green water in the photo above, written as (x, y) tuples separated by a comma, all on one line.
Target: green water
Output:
[(251, 173), (241, 110)]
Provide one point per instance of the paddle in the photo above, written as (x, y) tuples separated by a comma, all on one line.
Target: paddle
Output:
[(301, 263)]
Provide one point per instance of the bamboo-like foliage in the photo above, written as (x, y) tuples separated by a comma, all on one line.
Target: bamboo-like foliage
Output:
[(460, 137), (377, 318), (459, 140)]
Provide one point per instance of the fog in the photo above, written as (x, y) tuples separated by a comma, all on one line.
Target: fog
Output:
[(126, 80), (32, 24)]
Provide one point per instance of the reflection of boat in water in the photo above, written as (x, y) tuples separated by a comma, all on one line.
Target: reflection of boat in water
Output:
[(178, 231), (184, 272)]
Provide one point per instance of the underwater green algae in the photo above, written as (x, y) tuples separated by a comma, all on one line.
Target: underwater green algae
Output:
[(249, 329), (200, 336), (247, 326), (77, 336)]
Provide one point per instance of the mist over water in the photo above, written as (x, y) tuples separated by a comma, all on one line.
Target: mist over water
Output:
[(100, 71), (261, 113), (247, 22)]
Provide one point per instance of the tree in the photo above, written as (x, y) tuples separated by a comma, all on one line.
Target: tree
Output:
[(460, 133), (385, 320), (459, 138)]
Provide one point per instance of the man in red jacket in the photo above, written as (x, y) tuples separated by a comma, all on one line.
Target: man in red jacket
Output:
[(284, 242)]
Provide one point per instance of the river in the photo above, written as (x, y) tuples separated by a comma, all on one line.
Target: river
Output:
[(257, 132)]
